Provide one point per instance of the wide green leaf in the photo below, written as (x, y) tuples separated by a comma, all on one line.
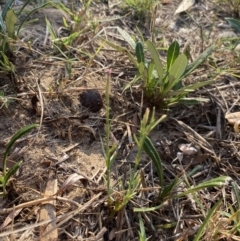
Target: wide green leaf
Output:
[(11, 20), (153, 154), (156, 60), (127, 37), (150, 70), (139, 53), (143, 72), (172, 54), (6, 7), (235, 23), (175, 72), (178, 66)]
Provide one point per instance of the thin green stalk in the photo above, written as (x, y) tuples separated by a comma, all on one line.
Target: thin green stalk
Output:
[(18, 135), (108, 154)]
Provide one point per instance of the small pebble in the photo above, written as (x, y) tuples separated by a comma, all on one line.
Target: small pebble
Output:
[(92, 100)]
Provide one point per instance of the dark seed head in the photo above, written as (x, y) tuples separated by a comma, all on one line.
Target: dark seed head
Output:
[(92, 100)]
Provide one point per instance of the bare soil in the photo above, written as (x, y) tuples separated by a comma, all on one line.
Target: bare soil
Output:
[(69, 138)]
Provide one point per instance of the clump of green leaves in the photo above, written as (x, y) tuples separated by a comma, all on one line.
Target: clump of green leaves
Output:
[(163, 84), (9, 29), (127, 189), (75, 29), (6, 175), (8, 19)]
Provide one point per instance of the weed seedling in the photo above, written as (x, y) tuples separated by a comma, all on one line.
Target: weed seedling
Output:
[(163, 85), (6, 175)]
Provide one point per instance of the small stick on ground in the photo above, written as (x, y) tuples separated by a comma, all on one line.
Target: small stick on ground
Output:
[(48, 211)]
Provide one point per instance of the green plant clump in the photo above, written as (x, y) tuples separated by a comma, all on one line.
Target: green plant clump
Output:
[(9, 29), (163, 85), (128, 188)]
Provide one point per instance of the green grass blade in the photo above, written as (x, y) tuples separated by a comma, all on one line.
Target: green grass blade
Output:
[(177, 181), (139, 53), (18, 135), (190, 88), (51, 30), (153, 154), (142, 233), (24, 5), (216, 182), (6, 7), (127, 38), (156, 122), (129, 84), (11, 172), (191, 67), (140, 34), (207, 220), (150, 209), (27, 17), (168, 189), (172, 54), (156, 60)]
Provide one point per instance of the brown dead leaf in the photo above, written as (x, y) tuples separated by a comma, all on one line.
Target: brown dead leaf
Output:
[(70, 181), (10, 217), (187, 149), (232, 118), (48, 211), (184, 6), (236, 126)]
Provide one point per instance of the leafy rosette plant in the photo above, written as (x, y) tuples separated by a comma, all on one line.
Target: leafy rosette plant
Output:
[(163, 85)]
